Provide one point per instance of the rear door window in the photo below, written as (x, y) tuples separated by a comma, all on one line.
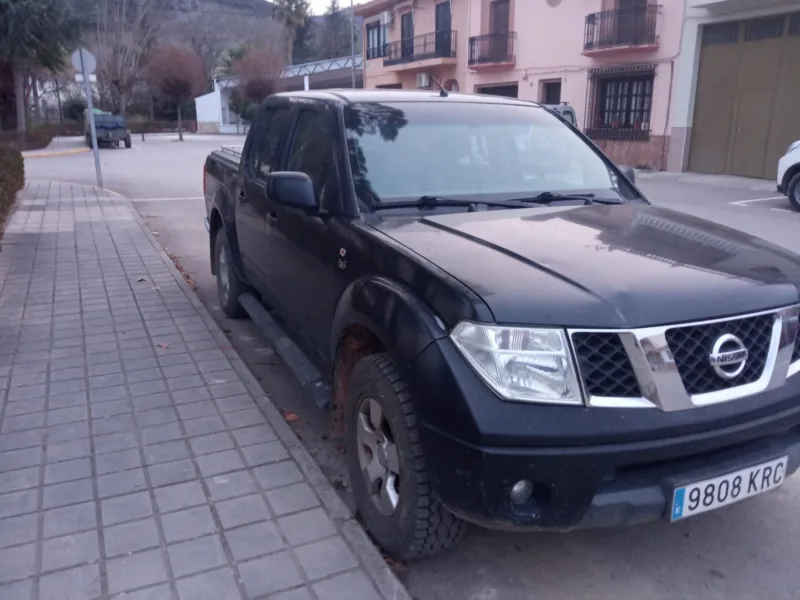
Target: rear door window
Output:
[(265, 153), (312, 151)]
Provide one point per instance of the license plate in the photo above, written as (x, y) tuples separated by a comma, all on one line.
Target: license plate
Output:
[(702, 496)]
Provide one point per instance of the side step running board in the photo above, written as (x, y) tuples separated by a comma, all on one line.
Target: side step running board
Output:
[(306, 373)]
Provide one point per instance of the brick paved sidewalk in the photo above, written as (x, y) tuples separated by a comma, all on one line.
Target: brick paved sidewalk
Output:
[(139, 458)]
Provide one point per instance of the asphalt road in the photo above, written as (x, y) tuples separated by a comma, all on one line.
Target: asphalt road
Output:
[(741, 552)]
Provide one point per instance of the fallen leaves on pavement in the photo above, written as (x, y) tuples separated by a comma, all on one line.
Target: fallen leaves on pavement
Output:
[(395, 565), (289, 416), (186, 277)]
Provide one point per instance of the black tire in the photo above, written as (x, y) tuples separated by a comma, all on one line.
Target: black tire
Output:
[(228, 298), (793, 191), (128, 141), (420, 525)]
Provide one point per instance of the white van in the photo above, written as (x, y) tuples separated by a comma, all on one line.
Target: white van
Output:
[(789, 175)]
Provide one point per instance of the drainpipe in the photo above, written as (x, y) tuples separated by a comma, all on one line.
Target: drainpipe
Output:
[(662, 164)]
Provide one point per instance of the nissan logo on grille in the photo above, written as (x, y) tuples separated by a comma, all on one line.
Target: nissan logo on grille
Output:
[(728, 356)]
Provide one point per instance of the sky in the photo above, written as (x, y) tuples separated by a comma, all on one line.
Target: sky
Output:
[(318, 6)]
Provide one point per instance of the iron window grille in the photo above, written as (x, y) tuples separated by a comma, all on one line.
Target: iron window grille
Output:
[(620, 103)]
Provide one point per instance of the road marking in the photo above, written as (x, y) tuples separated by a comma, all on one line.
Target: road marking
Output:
[(745, 202), (166, 199)]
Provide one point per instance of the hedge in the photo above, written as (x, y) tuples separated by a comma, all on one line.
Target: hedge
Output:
[(39, 137), (12, 180), (34, 139)]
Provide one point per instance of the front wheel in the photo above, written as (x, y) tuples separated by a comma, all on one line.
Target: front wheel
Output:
[(229, 286), (793, 191), (387, 466), (127, 141)]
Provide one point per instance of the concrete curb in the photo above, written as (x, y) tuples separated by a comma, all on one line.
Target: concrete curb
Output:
[(384, 579), (36, 154)]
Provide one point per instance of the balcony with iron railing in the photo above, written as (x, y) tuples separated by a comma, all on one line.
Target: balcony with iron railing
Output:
[(492, 51), (622, 29), (421, 51)]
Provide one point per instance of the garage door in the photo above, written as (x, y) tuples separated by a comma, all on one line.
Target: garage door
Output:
[(747, 106)]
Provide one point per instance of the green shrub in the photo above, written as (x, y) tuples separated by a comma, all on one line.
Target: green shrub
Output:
[(12, 180), (33, 139)]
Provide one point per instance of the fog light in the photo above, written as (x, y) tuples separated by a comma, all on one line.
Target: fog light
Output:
[(521, 492)]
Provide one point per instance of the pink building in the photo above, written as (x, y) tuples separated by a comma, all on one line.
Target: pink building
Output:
[(637, 72)]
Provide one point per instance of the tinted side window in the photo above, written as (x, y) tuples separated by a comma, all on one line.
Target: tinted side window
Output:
[(312, 152), (269, 139), (257, 131)]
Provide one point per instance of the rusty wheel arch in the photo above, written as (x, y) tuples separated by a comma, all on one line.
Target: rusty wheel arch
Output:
[(355, 342)]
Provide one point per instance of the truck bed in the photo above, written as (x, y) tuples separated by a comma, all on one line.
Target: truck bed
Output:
[(229, 155)]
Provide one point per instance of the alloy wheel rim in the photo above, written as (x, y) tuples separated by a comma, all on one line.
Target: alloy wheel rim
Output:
[(378, 457), (224, 274)]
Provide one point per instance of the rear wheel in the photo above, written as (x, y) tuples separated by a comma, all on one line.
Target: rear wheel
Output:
[(793, 191), (387, 466), (127, 141), (229, 286)]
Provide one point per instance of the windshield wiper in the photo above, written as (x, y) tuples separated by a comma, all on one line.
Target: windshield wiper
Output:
[(434, 201), (551, 197)]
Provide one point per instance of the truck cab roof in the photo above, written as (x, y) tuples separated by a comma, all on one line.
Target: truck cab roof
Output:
[(347, 96)]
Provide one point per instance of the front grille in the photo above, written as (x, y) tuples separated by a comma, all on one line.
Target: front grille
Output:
[(604, 365), (692, 347)]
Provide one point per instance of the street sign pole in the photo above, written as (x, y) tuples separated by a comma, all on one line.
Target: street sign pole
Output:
[(90, 108), (352, 45)]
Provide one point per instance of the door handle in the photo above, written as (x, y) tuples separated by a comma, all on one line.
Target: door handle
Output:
[(272, 218)]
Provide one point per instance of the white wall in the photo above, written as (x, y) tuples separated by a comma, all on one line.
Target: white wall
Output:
[(209, 111)]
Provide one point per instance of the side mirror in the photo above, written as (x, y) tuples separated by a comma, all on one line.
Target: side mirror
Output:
[(628, 172), (292, 188)]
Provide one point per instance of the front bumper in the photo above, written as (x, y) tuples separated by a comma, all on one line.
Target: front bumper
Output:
[(591, 467), (581, 488)]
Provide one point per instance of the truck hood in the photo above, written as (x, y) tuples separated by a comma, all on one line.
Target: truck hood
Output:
[(630, 265)]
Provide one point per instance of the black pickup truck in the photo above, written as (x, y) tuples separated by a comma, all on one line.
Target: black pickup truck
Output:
[(516, 337)]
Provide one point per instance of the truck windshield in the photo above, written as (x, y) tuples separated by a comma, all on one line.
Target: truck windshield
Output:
[(405, 150)]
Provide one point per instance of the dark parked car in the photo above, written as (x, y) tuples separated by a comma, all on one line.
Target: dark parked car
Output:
[(516, 337)]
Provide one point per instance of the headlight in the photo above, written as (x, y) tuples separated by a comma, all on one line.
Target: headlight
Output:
[(521, 363), (793, 146)]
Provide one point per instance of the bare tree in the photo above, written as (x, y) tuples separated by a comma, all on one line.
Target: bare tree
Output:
[(334, 35), (294, 14), (211, 34), (126, 30), (258, 72), (178, 74)]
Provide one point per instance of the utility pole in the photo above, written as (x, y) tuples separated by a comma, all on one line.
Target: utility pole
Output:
[(353, 44)]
